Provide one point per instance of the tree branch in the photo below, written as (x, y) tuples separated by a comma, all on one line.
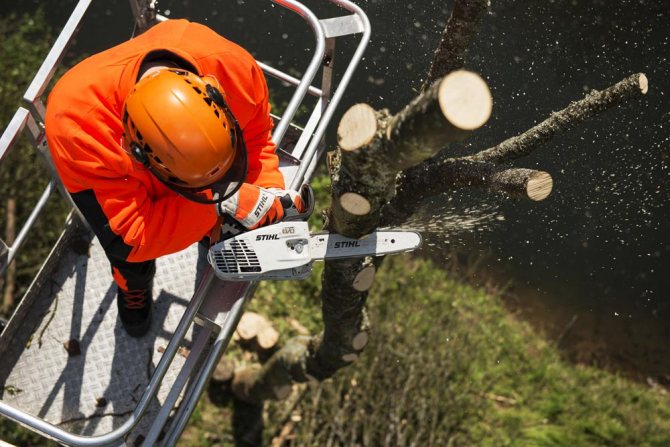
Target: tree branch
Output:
[(435, 177), (374, 147), (462, 27), (595, 102)]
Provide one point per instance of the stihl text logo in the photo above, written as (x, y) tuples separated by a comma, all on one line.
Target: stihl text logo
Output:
[(267, 237), (261, 204), (347, 244)]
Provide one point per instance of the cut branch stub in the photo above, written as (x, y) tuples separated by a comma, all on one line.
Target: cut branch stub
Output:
[(364, 279), (357, 127), (524, 183), (539, 186), (355, 204)]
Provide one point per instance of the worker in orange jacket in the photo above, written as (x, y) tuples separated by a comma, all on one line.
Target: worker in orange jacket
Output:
[(156, 139)]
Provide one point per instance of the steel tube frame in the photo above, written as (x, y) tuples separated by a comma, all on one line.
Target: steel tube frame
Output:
[(337, 96), (23, 233), (312, 69), (278, 74), (13, 130), (48, 67), (57, 434)]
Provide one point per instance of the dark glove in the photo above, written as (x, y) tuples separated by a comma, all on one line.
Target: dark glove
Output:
[(292, 202)]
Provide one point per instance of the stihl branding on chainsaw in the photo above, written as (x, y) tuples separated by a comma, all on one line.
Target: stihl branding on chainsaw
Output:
[(267, 237), (286, 250), (347, 244)]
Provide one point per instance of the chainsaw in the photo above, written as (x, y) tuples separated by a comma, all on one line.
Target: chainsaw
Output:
[(287, 250)]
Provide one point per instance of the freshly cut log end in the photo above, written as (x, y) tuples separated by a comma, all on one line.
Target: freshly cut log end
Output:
[(267, 338), (357, 128), (643, 83), (350, 357), (224, 371), (539, 186), (364, 279), (355, 204), (250, 325), (465, 100), (360, 340)]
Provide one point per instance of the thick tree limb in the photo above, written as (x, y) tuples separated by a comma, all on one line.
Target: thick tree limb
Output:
[(595, 102), (374, 147), (461, 29), (435, 177)]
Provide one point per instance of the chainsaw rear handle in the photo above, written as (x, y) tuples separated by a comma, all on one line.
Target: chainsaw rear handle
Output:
[(291, 213)]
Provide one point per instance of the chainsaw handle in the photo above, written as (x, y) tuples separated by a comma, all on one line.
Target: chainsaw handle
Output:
[(291, 213)]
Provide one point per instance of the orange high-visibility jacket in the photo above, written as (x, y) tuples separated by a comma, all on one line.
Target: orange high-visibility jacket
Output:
[(141, 217)]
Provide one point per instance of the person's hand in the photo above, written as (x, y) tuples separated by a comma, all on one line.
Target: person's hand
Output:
[(291, 201), (253, 206)]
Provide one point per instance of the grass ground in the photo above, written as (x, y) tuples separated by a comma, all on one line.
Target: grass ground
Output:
[(447, 365)]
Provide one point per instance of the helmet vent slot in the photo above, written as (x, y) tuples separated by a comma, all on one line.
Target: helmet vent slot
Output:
[(198, 91)]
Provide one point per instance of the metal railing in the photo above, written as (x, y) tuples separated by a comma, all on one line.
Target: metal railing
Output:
[(199, 308)]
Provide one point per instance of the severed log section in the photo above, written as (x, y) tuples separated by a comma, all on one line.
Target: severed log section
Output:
[(462, 27), (373, 148), (255, 327), (595, 102)]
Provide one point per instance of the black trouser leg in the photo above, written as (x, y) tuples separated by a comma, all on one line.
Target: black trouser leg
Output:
[(132, 275)]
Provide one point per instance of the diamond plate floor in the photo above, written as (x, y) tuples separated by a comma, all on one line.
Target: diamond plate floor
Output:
[(92, 392)]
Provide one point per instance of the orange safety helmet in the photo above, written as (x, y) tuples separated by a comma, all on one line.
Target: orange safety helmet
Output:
[(179, 126)]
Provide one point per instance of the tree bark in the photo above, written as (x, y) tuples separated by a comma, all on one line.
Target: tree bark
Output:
[(375, 147), (462, 27), (10, 235)]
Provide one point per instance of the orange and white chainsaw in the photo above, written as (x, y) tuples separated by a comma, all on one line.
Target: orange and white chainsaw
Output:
[(287, 250)]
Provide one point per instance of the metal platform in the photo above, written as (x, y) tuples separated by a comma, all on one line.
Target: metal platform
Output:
[(67, 368), (67, 359)]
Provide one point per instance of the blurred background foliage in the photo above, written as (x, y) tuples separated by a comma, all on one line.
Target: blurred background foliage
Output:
[(25, 42)]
